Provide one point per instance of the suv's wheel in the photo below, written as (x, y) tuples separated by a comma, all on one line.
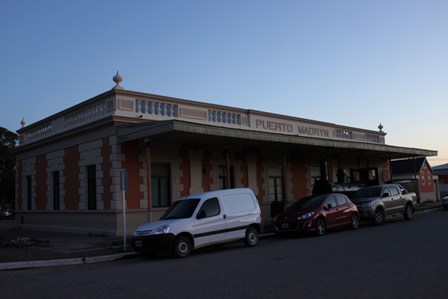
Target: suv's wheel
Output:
[(182, 247), (251, 238), (379, 217), (408, 212), (320, 227), (354, 223)]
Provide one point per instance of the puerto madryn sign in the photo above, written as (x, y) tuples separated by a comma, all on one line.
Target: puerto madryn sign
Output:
[(311, 129)]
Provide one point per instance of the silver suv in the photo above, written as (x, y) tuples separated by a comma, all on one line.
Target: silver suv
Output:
[(376, 202)]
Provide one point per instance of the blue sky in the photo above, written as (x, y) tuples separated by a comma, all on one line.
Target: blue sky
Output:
[(354, 63)]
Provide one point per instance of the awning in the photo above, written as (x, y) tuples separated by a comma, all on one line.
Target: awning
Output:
[(193, 132)]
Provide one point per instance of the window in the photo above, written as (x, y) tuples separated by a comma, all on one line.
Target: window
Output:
[(91, 187), (422, 176), (341, 199), (56, 190), (394, 191), (276, 188), (210, 208), (29, 195), (429, 178), (276, 184), (160, 185), (222, 177), (386, 192), (330, 200), (314, 174)]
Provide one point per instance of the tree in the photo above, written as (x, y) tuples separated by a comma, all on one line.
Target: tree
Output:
[(8, 142)]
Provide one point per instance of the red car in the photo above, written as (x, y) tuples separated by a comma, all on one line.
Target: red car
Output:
[(317, 213)]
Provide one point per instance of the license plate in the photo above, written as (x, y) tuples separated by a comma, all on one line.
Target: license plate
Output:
[(138, 243), (285, 225)]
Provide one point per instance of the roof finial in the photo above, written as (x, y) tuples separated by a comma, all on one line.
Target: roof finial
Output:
[(117, 79), (380, 127), (23, 122)]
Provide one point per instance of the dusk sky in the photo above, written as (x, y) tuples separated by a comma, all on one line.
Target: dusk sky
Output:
[(349, 62)]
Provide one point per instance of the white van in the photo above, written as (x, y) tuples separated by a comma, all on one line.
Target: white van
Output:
[(200, 220)]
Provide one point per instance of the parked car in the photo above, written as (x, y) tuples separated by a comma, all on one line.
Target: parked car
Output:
[(317, 213), (445, 202), (200, 220), (376, 202), (7, 213)]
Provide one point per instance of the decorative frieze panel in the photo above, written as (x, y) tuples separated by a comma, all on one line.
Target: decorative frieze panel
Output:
[(219, 116), (193, 113), (85, 115), (38, 132), (156, 108)]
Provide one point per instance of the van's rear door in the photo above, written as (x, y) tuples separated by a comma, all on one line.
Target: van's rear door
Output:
[(241, 210)]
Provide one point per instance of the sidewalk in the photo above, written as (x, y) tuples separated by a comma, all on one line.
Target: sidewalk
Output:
[(20, 248), (23, 248)]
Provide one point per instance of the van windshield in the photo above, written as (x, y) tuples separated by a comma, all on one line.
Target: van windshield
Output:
[(181, 209)]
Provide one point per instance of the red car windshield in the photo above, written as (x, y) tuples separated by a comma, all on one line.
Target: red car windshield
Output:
[(307, 202)]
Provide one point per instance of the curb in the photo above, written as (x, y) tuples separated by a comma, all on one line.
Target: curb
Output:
[(66, 262), (420, 210), (118, 256)]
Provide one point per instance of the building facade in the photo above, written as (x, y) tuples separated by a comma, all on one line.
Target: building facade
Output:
[(70, 165)]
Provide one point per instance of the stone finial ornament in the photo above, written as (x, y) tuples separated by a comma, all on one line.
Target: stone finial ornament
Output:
[(380, 127), (23, 122), (117, 79)]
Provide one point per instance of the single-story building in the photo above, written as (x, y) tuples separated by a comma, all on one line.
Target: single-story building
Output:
[(70, 164), (416, 175)]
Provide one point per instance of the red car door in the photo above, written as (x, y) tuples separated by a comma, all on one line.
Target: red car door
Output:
[(344, 209), (331, 211)]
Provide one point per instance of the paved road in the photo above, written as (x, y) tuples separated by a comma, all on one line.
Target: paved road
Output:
[(402, 259)]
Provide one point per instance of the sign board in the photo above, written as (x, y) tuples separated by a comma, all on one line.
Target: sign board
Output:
[(124, 180)]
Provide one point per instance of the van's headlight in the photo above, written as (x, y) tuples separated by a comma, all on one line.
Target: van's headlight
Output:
[(305, 216), (164, 229)]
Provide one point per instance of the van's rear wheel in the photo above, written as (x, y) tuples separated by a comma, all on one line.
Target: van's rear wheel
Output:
[(251, 238), (182, 247)]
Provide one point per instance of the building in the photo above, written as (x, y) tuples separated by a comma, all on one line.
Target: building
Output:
[(441, 171), (70, 164), (416, 175)]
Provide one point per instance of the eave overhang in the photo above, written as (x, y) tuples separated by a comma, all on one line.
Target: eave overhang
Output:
[(193, 132)]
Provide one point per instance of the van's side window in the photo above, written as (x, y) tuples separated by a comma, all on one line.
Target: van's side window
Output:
[(210, 208)]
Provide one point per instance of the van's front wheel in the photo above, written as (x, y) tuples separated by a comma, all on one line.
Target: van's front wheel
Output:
[(182, 247), (251, 238)]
